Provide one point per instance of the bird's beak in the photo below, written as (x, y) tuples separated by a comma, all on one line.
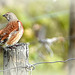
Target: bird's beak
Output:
[(4, 15)]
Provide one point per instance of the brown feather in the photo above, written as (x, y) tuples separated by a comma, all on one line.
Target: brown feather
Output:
[(11, 26), (15, 37)]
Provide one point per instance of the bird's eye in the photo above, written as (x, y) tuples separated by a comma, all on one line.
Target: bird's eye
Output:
[(6, 14)]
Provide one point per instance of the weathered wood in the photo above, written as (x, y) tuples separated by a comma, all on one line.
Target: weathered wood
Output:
[(15, 59), (72, 40)]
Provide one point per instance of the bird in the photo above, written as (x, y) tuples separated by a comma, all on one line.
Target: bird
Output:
[(13, 31)]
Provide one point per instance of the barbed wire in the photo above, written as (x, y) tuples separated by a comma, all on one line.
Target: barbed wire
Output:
[(54, 61), (32, 66)]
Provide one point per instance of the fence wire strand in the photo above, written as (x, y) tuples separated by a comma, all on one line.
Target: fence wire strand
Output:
[(32, 66)]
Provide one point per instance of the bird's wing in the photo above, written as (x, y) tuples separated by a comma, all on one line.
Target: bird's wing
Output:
[(10, 28), (15, 36)]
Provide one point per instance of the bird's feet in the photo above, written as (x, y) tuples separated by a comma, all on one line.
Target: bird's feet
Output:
[(13, 46)]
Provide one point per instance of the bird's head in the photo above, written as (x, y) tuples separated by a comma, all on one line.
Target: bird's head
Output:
[(10, 16)]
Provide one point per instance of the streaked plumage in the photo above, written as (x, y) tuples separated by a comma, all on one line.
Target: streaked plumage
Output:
[(12, 33)]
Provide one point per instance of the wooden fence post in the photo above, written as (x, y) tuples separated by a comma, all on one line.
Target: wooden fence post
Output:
[(15, 59)]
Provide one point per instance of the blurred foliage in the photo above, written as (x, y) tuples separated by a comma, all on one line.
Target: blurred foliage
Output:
[(53, 14)]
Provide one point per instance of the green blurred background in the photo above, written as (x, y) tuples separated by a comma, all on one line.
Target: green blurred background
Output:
[(53, 15)]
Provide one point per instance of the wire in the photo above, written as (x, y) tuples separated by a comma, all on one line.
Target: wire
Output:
[(54, 61), (32, 66)]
